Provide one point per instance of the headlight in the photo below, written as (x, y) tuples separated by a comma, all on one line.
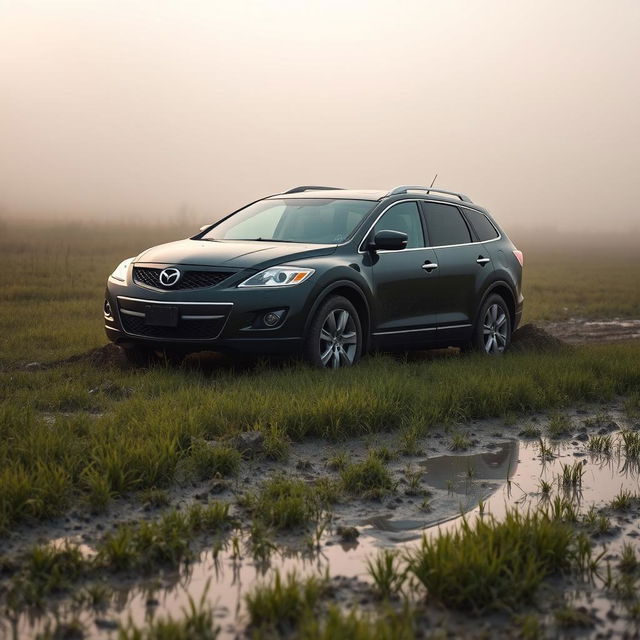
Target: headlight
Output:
[(120, 272), (278, 277)]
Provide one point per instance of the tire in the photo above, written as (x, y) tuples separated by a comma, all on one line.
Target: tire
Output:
[(492, 330), (334, 339)]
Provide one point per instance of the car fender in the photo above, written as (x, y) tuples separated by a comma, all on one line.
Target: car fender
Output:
[(323, 291)]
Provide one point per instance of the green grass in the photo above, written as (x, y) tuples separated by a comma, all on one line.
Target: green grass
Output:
[(164, 542), (600, 444), (491, 565), (387, 574), (285, 503), (624, 500), (209, 461), (460, 441), (571, 475), (530, 431), (560, 425), (138, 441), (62, 446), (283, 604), (631, 445), (367, 479)]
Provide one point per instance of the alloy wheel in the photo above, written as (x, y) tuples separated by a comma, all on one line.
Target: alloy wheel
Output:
[(495, 328), (338, 339)]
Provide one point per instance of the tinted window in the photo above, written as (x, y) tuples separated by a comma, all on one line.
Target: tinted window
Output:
[(445, 225), (406, 218), (481, 224)]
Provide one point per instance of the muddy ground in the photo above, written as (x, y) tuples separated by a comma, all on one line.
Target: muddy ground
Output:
[(497, 468)]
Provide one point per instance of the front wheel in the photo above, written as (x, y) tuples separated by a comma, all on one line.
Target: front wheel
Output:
[(335, 335), (492, 331)]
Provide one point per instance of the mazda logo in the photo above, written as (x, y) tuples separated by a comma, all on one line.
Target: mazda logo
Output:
[(169, 277)]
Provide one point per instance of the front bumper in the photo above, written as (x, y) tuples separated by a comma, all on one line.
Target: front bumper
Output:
[(216, 319)]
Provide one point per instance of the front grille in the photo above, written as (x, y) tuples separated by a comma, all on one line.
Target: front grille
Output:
[(186, 329), (195, 321), (149, 277)]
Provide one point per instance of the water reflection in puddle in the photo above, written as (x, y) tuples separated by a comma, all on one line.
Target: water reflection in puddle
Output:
[(508, 474)]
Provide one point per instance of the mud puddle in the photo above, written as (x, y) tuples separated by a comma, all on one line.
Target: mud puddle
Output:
[(504, 474), (580, 330)]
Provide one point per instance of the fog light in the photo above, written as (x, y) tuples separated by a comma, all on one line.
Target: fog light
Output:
[(272, 318), (107, 309)]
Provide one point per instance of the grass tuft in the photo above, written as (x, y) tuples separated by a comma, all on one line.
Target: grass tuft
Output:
[(367, 479), (387, 573), (492, 565), (283, 604)]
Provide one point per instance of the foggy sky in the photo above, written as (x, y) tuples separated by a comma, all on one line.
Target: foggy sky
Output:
[(137, 108)]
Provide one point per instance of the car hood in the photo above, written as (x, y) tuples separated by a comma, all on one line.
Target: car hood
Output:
[(232, 253)]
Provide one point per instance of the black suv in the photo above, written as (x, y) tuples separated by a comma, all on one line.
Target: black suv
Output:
[(330, 273)]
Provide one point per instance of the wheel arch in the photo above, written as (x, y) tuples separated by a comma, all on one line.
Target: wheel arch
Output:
[(352, 292), (502, 288)]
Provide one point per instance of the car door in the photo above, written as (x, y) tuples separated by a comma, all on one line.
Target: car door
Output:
[(404, 280), (464, 268)]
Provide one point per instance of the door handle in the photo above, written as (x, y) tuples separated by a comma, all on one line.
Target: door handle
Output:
[(430, 266), (481, 260)]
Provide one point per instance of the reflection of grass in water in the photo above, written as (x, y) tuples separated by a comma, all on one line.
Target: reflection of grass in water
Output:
[(631, 444), (600, 444), (198, 622), (571, 475), (166, 542)]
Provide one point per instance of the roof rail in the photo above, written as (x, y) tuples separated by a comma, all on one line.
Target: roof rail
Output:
[(405, 188), (312, 188)]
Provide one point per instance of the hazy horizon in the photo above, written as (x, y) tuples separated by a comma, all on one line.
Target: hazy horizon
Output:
[(155, 109)]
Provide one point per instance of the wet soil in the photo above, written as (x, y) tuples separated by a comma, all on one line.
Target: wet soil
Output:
[(498, 471), (583, 330)]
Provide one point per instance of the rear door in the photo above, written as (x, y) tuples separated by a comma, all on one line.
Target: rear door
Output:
[(464, 268), (404, 280)]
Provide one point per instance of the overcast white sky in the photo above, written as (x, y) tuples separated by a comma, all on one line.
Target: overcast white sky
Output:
[(113, 108)]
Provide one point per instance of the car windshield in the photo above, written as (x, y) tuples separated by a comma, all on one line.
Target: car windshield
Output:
[(309, 220)]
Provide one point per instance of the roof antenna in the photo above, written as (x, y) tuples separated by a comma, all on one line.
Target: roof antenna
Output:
[(432, 182)]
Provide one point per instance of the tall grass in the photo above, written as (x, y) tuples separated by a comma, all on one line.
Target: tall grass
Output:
[(111, 447), (491, 565)]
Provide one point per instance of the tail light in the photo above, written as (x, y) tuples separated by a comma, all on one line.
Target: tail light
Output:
[(519, 256)]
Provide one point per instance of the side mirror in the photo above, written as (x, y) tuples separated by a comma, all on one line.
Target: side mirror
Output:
[(387, 240)]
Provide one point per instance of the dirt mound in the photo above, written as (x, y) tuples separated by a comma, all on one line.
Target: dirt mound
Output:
[(530, 337), (110, 355)]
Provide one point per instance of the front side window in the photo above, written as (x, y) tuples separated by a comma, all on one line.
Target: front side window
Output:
[(403, 217), (446, 225), (309, 220), (480, 222)]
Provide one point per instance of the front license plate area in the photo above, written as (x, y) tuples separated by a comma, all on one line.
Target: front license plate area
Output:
[(161, 315)]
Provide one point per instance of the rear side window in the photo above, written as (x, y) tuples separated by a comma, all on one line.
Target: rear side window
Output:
[(481, 224), (445, 225), (403, 217)]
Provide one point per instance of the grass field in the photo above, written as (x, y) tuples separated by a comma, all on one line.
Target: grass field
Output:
[(114, 432), (77, 436)]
